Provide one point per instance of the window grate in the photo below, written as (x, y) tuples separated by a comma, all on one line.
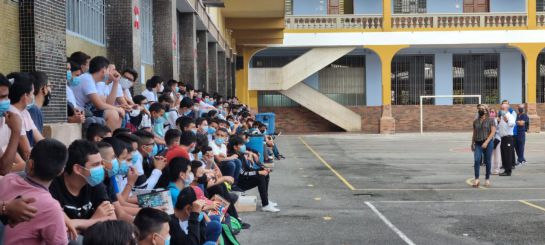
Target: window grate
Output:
[(147, 31), (86, 18), (476, 74), (412, 76), (409, 6)]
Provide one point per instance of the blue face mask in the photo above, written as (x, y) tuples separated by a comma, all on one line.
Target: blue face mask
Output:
[(160, 120), (231, 124), (211, 130), (205, 129), (219, 141), (189, 180), (96, 177), (135, 157), (207, 100), (243, 149), (68, 76), (194, 130), (31, 103), (177, 90), (187, 113), (75, 81), (146, 106), (201, 216), (115, 168), (123, 168), (167, 241), (4, 107), (199, 155), (154, 151)]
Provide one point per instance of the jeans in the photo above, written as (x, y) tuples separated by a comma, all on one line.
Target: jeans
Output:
[(519, 146), (231, 168), (478, 154)]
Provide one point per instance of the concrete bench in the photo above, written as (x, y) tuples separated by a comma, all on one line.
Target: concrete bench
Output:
[(246, 204), (63, 132)]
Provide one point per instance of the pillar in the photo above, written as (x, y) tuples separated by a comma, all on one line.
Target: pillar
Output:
[(443, 78), (43, 48), (532, 14), (387, 15), (188, 48), (202, 58), (242, 92), (386, 54), (212, 85), (221, 73), (165, 39), (531, 52)]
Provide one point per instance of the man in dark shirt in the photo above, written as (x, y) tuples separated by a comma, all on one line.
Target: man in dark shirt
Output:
[(42, 95), (185, 227), (523, 123), (80, 190)]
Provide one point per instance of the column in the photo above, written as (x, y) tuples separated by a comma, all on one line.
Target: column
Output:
[(221, 73), (386, 54), (212, 85), (188, 48), (443, 78), (43, 48), (387, 15), (531, 52), (165, 39), (532, 14), (246, 96), (228, 68), (202, 58)]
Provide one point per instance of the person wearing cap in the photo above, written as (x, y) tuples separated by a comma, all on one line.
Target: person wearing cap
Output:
[(185, 228)]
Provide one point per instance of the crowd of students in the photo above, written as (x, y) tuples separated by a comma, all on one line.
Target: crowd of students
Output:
[(170, 137)]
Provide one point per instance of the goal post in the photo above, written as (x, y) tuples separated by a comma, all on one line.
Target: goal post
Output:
[(422, 97)]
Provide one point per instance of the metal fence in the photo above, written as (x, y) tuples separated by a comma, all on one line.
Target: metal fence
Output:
[(476, 74), (412, 76), (86, 18)]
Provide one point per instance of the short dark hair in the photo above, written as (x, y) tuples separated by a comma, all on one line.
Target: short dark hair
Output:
[(186, 103), (181, 83), (152, 82), (78, 153), (194, 166), (128, 138), (189, 87), (165, 98), (111, 232), (223, 130), (74, 66), (121, 131), (156, 107), (184, 121), (131, 71), (96, 129), (4, 81), (150, 220), (171, 136), (186, 197), (49, 157), (143, 136), (79, 58), (98, 63), (22, 84), (233, 141), (187, 138), (172, 82), (206, 149), (118, 145), (40, 80), (176, 166), (200, 120), (137, 99)]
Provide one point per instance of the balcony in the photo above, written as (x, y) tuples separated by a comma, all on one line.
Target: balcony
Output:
[(334, 22), (541, 19)]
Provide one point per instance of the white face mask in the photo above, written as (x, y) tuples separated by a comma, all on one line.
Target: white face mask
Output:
[(161, 88), (125, 83)]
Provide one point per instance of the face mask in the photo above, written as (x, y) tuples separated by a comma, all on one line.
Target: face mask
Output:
[(189, 180), (231, 124), (247, 141), (96, 177), (187, 113), (205, 129), (243, 149), (481, 113), (219, 141), (125, 83), (68, 76), (201, 216), (106, 78), (161, 88), (135, 157), (211, 130), (199, 156), (76, 81), (146, 106), (194, 130), (160, 120), (203, 179), (167, 241), (521, 110), (154, 151), (31, 103), (177, 90), (492, 114), (4, 107), (115, 168), (207, 100), (123, 168), (47, 98)]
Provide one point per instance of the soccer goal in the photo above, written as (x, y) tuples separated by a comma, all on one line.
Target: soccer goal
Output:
[(422, 97)]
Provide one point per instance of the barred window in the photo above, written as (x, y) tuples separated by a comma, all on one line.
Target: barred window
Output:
[(540, 78), (147, 31), (540, 5), (412, 76), (409, 6), (476, 74), (86, 19)]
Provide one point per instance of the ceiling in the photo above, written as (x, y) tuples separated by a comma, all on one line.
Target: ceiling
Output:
[(253, 8)]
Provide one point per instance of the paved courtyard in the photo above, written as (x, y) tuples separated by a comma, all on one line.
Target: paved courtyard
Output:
[(398, 189)]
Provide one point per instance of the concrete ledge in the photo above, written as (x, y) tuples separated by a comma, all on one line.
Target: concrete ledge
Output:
[(63, 132), (246, 204)]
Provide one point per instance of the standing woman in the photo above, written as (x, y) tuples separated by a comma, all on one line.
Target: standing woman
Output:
[(482, 143), (496, 153)]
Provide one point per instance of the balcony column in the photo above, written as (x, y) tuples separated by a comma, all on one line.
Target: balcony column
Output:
[(387, 15), (244, 95), (532, 14), (530, 52), (386, 53)]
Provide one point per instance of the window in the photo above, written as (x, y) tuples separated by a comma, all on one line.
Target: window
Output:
[(540, 5), (540, 78), (476, 74), (147, 31), (86, 18), (409, 6), (344, 80), (412, 76)]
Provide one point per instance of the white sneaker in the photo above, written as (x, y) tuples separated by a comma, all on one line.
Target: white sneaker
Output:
[(270, 208), (271, 203)]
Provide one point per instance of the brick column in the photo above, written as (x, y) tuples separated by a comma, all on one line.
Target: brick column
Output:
[(165, 39), (43, 48), (222, 73), (229, 82), (212, 85), (202, 58), (187, 32)]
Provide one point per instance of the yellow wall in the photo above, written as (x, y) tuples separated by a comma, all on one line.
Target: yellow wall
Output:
[(74, 43), (149, 71), (9, 37)]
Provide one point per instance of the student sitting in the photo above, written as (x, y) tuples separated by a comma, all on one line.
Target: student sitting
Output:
[(148, 165), (111, 232), (140, 116), (42, 97), (182, 143), (229, 164), (157, 111), (186, 123), (153, 227), (153, 86), (180, 176), (96, 132), (11, 129), (185, 228)]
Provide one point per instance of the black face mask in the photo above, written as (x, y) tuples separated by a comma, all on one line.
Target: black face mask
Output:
[(521, 110), (481, 113), (47, 98), (203, 179)]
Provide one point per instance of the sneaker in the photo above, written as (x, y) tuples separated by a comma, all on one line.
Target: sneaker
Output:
[(505, 174), (523, 162), (273, 203), (270, 208), (245, 226), (495, 172)]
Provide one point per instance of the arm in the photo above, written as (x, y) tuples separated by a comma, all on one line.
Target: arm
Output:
[(153, 179), (490, 136), (510, 120), (8, 157), (100, 104), (24, 147), (37, 135), (121, 214)]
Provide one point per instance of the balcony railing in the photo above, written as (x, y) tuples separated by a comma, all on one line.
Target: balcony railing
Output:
[(473, 20), (370, 22), (541, 19)]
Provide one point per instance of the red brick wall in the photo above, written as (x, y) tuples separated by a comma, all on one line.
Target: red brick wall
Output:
[(448, 118), (541, 114)]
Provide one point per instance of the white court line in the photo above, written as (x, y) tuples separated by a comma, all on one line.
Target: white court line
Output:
[(389, 224), (461, 201)]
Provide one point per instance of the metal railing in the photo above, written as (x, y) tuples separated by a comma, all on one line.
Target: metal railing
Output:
[(371, 22), (472, 20), (200, 9), (540, 18)]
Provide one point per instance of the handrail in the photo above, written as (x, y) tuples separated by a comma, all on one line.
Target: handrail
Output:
[(334, 22)]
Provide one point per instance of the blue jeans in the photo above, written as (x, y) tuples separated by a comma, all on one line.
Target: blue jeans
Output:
[(519, 146), (231, 168), (478, 154)]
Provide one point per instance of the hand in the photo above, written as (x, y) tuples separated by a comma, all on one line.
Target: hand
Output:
[(485, 144), (230, 180), (115, 76), (13, 121), (472, 146), (505, 118), (197, 206), (132, 176), (121, 112), (159, 162), (71, 229), (263, 172), (213, 206), (104, 211), (18, 210)]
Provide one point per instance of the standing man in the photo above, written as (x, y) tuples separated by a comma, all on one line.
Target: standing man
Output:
[(505, 127), (523, 123)]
